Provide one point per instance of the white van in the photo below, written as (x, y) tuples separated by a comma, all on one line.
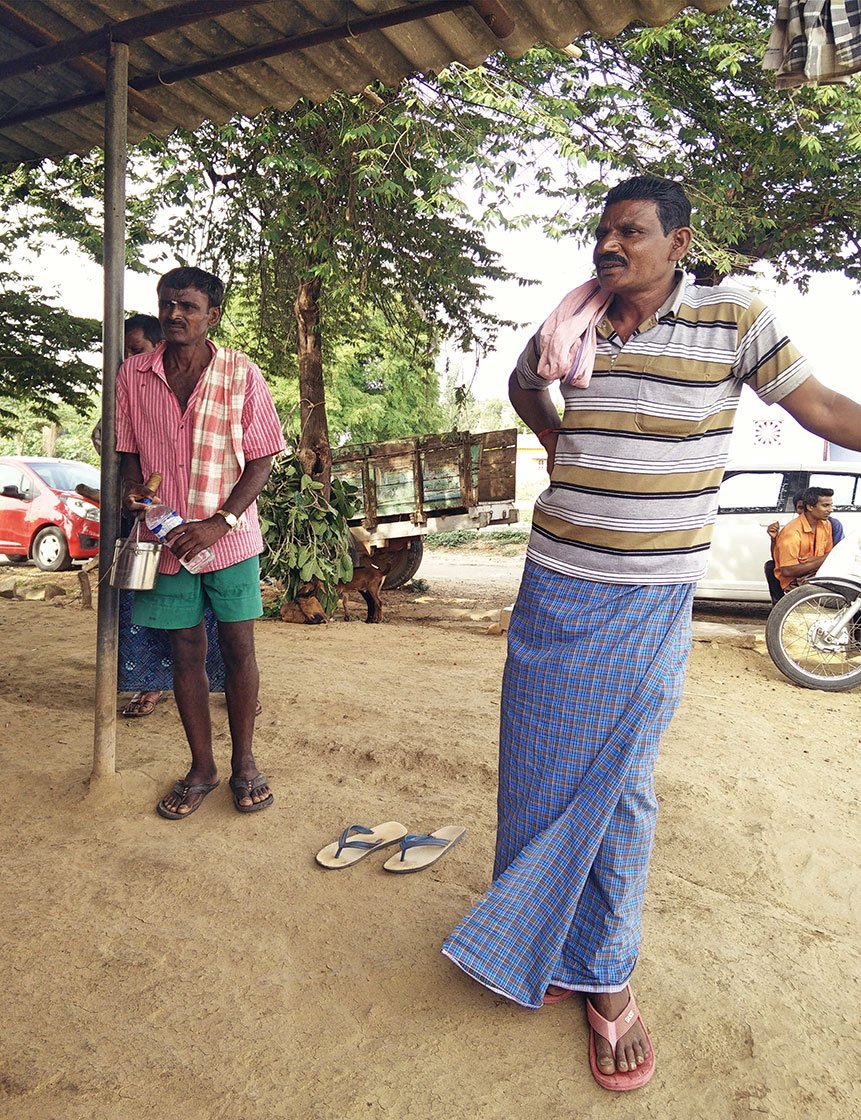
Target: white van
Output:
[(750, 499)]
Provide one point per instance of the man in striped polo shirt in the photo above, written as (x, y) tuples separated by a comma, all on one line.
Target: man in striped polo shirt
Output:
[(202, 417), (651, 371)]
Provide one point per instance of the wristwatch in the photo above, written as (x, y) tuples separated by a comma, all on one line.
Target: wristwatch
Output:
[(231, 518)]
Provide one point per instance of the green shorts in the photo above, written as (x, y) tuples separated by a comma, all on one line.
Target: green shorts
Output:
[(177, 602)]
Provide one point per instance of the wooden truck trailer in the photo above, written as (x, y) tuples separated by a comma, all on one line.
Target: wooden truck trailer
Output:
[(428, 484)]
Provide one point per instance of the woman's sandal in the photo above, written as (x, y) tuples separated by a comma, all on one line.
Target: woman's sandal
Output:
[(142, 704)]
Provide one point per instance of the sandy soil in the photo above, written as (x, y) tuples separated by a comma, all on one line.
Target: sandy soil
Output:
[(209, 969)]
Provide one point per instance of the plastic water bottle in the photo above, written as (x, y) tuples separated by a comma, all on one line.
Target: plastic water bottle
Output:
[(160, 520)]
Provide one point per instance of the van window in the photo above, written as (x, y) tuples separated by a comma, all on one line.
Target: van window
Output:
[(752, 491), (846, 487)]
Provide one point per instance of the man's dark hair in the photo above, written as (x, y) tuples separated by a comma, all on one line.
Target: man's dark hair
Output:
[(150, 326), (813, 493), (179, 278), (674, 209), (796, 498)]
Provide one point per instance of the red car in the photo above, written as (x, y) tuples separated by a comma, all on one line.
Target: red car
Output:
[(41, 516)]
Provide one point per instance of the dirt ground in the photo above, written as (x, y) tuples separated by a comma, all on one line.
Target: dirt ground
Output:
[(209, 969)]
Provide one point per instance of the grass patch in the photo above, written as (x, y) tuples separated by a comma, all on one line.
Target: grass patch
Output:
[(504, 542)]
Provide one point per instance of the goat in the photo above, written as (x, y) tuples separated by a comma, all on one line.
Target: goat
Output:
[(369, 572), (305, 608)]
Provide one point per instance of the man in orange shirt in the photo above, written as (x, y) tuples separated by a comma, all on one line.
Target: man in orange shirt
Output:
[(803, 544)]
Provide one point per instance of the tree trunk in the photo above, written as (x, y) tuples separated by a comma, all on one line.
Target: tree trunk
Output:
[(49, 440), (707, 276), (314, 452)]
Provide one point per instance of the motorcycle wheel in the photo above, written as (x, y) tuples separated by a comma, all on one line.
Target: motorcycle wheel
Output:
[(796, 639)]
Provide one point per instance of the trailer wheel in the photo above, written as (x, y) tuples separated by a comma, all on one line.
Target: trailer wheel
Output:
[(406, 565)]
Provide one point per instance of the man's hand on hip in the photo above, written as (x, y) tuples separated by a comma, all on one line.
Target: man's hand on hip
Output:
[(548, 440)]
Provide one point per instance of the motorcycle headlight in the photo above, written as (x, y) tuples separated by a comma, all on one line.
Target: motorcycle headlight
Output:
[(82, 508)]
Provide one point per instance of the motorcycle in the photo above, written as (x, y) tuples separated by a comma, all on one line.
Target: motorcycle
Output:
[(814, 632)]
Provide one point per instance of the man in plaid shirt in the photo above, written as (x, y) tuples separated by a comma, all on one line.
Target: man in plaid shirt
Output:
[(202, 417)]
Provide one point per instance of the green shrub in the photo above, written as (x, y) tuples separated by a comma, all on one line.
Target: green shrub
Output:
[(306, 537), (506, 540), (456, 539)]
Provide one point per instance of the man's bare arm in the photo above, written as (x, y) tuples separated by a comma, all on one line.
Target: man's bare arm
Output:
[(826, 413), (250, 483), (135, 494), (536, 409), (802, 568)]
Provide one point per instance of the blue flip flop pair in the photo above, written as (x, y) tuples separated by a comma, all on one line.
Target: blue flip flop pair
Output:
[(417, 850)]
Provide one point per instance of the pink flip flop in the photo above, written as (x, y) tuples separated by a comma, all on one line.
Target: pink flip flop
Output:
[(618, 1082), (557, 997)]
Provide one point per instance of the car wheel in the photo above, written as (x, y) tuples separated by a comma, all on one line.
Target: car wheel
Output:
[(51, 552)]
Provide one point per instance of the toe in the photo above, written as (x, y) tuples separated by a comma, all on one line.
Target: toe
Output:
[(604, 1056)]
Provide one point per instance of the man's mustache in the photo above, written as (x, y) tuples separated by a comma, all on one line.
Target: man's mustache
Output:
[(609, 258)]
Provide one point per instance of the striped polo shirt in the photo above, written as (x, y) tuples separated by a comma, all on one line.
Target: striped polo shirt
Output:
[(640, 458)]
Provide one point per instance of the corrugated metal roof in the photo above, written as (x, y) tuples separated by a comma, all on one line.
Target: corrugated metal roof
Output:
[(164, 102)]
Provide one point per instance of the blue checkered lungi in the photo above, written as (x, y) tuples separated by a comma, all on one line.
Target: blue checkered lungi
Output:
[(144, 659), (594, 674)]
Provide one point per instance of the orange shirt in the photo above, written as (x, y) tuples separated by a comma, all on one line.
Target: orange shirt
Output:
[(797, 542)]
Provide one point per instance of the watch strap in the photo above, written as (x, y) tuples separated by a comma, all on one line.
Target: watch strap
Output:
[(231, 518)]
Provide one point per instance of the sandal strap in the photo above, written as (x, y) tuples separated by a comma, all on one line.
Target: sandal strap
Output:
[(248, 785), (344, 840), (613, 1029), (183, 788), (417, 839)]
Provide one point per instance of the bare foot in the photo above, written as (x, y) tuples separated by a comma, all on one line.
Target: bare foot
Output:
[(632, 1049)]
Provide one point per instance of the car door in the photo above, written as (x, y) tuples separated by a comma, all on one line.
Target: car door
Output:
[(749, 501), (13, 510)]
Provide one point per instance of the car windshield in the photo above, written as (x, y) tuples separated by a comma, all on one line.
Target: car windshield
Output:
[(62, 474)]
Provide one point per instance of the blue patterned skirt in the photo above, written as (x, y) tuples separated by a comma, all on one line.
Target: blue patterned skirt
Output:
[(594, 674), (144, 662)]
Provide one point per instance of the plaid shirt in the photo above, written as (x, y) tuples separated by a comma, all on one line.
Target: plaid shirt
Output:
[(814, 42), (151, 425)]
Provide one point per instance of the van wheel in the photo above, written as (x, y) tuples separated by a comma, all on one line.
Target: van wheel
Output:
[(51, 551)]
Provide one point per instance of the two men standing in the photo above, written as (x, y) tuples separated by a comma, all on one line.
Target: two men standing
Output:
[(202, 417)]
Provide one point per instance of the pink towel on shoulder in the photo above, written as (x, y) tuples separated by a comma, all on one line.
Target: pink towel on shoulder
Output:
[(568, 339)]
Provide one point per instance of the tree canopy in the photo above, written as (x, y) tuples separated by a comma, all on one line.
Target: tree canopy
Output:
[(774, 175), (356, 227), (41, 353)]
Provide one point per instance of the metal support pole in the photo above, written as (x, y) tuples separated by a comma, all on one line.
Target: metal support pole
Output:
[(116, 142)]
